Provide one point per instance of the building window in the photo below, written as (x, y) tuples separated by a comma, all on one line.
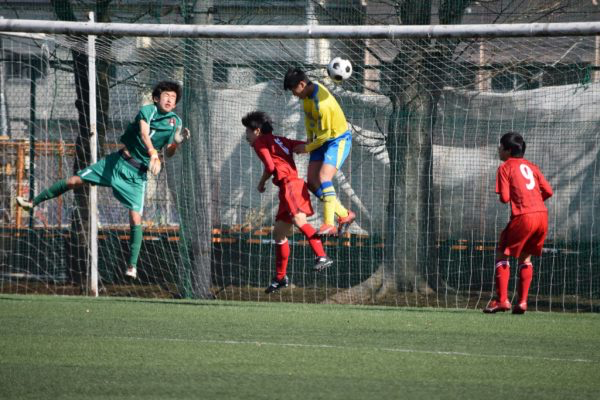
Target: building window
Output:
[(537, 75), (24, 66)]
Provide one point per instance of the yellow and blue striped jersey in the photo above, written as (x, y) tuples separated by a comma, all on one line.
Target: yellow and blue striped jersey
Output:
[(323, 117)]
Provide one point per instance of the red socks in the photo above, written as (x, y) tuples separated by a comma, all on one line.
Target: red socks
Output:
[(282, 250), (502, 278), (282, 254), (314, 241), (525, 276)]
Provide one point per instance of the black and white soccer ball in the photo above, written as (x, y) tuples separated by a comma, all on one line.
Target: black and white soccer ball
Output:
[(339, 69)]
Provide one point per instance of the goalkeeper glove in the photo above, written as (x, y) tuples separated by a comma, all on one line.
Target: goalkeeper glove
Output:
[(154, 162), (181, 136)]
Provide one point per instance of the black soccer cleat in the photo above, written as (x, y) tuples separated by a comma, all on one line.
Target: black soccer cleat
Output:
[(520, 308), (277, 284), (321, 263)]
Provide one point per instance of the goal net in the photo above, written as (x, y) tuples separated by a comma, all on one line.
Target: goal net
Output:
[(426, 116)]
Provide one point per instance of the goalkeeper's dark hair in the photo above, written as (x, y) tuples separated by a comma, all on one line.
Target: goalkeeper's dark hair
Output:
[(167, 86), (513, 142), (293, 77), (258, 120)]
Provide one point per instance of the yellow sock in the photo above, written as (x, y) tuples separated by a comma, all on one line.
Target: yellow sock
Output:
[(329, 206), (340, 210)]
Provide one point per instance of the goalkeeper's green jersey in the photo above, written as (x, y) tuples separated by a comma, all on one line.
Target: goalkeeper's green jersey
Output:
[(162, 131)]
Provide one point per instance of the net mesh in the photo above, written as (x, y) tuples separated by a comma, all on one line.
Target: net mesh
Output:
[(426, 117)]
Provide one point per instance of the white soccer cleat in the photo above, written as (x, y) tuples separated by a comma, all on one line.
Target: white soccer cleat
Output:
[(24, 204), (131, 272)]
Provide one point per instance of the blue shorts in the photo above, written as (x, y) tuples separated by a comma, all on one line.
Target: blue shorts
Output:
[(334, 151)]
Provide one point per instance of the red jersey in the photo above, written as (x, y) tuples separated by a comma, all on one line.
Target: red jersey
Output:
[(276, 154), (522, 183)]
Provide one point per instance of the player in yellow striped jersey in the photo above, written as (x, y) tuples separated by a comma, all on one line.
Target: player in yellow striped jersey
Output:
[(329, 142)]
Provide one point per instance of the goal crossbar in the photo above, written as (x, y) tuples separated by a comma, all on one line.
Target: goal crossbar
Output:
[(303, 31)]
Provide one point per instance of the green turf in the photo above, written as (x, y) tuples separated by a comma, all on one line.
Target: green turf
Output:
[(74, 347)]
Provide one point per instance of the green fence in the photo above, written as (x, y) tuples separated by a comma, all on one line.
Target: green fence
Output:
[(246, 259)]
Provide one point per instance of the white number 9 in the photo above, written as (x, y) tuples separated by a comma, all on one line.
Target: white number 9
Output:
[(527, 174)]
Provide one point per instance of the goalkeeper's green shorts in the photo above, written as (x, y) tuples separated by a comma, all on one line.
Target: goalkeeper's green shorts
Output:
[(127, 182)]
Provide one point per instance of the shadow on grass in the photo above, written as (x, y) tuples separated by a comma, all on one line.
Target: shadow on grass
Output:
[(408, 301)]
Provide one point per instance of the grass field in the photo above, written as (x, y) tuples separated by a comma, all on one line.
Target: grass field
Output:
[(76, 347)]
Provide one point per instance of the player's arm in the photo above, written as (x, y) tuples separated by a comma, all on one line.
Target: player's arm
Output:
[(322, 133), (171, 149), (263, 180), (180, 136), (265, 158), (503, 185), (545, 187), (154, 166), (145, 136), (293, 143), (297, 146)]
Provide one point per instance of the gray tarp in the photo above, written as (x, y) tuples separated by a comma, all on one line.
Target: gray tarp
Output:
[(560, 125)]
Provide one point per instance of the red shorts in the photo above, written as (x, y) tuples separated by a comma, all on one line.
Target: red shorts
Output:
[(293, 199), (524, 233)]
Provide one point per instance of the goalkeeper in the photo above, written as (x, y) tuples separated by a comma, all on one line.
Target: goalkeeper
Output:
[(275, 152), (329, 143), (154, 127)]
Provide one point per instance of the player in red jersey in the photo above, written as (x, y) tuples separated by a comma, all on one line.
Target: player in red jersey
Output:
[(276, 154), (522, 183)]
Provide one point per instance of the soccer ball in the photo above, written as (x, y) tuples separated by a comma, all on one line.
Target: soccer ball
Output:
[(339, 69)]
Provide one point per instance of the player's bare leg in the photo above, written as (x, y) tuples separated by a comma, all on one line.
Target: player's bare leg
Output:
[(53, 191), (281, 231), (321, 259), (75, 182), (525, 277), (135, 242), (312, 175), (502, 272)]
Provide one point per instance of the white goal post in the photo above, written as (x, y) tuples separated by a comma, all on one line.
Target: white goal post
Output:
[(502, 77), (306, 31)]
